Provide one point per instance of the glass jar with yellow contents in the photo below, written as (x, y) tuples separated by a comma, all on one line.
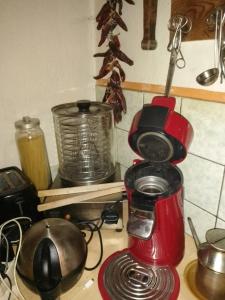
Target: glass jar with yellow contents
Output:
[(32, 152)]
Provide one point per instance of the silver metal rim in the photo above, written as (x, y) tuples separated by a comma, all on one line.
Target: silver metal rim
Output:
[(162, 137), (65, 109), (151, 185), (216, 238), (89, 181)]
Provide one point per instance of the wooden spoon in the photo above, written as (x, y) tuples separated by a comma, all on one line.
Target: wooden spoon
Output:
[(150, 15)]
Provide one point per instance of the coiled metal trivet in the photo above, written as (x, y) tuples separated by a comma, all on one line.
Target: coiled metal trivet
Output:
[(126, 279)]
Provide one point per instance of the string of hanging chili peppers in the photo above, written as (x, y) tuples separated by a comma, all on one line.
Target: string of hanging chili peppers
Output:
[(108, 18)]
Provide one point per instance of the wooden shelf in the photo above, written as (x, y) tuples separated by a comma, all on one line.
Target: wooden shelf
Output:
[(175, 91)]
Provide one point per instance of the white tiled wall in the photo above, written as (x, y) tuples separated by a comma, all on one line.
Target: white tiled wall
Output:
[(203, 168)]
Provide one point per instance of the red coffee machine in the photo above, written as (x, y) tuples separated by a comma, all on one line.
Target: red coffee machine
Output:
[(146, 269)]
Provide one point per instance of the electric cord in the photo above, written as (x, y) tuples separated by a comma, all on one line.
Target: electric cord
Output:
[(93, 228), (12, 227), (91, 235), (101, 250), (94, 220), (15, 263), (11, 292), (10, 285), (113, 205), (7, 250), (96, 226), (110, 214), (5, 276)]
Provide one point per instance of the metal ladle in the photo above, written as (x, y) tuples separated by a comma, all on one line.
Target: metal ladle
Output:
[(210, 76)]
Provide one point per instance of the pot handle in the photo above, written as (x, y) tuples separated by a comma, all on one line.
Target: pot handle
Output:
[(193, 231), (46, 270)]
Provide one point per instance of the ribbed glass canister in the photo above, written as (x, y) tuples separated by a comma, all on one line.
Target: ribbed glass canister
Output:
[(84, 138)]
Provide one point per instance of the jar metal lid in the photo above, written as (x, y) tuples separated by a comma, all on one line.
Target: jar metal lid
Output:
[(27, 123), (81, 107)]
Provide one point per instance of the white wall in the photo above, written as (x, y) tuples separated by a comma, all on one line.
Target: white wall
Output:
[(46, 58), (152, 66)]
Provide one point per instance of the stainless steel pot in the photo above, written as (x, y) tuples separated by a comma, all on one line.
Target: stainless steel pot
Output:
[(210, 274), (52, 257)]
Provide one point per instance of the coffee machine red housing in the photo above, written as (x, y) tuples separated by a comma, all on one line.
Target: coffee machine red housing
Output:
[(159, 117), (161, 136), (154, 184)]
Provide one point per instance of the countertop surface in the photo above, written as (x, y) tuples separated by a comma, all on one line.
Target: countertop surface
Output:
[(87, 286)]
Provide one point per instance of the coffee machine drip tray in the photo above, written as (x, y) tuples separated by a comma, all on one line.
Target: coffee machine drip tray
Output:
[(123, 278)]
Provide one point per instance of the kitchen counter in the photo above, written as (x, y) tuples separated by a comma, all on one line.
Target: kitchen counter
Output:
[(87, 286)]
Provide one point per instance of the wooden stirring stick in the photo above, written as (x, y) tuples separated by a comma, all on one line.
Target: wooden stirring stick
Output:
[(79, 198), (80, 189)]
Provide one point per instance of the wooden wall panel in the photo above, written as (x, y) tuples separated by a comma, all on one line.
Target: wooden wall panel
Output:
[(184, 92), (198, 11)]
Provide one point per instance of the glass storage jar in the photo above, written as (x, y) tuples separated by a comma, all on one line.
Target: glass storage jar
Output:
[(32, 152)]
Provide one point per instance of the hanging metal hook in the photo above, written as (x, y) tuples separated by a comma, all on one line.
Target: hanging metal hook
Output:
[(179, 25)]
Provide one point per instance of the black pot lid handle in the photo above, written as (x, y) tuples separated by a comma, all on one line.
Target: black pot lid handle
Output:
[(84, 106)]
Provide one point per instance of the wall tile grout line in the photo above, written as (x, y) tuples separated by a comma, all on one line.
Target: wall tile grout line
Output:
[(124, 166), (122, 129), (221, 191), (143, 99), (199, 207), (220, 219), (181, 105), (204, 158), (116, 145)]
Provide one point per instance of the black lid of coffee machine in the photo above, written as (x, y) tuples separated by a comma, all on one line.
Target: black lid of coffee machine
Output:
[(150, 140)]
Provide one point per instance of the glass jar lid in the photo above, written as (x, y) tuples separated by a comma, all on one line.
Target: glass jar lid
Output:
[(27, 123)]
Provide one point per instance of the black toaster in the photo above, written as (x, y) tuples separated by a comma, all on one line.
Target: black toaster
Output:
[(18, 196)]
